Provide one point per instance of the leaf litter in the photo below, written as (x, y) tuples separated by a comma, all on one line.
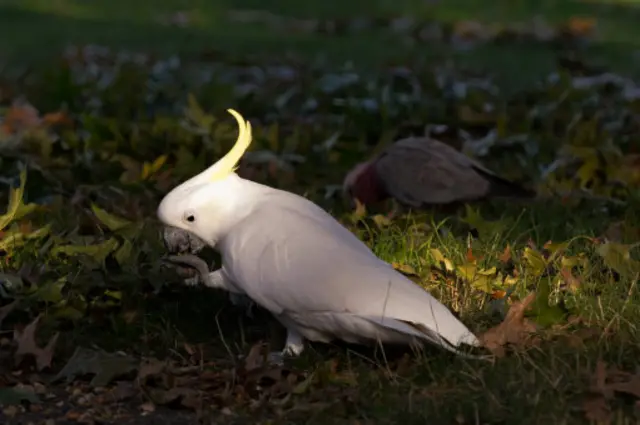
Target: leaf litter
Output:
[(515, 329), (479, 124), (606, 383)]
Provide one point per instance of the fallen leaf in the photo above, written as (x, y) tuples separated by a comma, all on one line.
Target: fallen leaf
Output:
[(182, 395), (514, 329), (486, 229), (122, 391), (16, 208), (605, 382), (12, 396), (57, 118), (150, 368), (149, 169), (470, 256), (26, 345), (305, 385), (381, 221), (96, 252), (404, 269), (597, 409), (572, 282), (617, 257), (254, 359), (498, 294), (360, 210), (468, 115), (105, 366), (10, 411), (581, 26), (21, 116), (147, 407), (441, 260), (113, 222), (555, 248), (483, 279), (630, 386), (536, 263)]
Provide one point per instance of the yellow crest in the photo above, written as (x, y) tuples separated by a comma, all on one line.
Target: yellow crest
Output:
[(228, 163)]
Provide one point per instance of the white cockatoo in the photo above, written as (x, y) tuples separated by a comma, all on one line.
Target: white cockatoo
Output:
[(294, 259)]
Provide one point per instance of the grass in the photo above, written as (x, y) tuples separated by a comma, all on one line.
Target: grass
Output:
[(37, 29), (102, 284)]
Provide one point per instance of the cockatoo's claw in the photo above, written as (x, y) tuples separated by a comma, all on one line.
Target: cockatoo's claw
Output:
[(293, 347), (293, 350), (290, 351)]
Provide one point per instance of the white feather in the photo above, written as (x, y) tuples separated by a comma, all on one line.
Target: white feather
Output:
[(294, 259)]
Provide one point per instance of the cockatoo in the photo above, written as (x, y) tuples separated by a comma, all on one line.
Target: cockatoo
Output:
[(295, 260), (421, 171)]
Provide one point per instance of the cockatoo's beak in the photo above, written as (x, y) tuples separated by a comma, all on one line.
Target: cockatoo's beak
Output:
[(180, 241)]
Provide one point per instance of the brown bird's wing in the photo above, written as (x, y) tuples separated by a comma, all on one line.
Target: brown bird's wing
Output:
[(498, 186), (423, 171)]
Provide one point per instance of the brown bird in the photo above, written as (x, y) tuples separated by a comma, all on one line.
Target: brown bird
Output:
[(420, 172)]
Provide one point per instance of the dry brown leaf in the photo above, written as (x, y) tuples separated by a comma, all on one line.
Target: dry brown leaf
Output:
[(57, 119), (629, 169), (468, 115), (621, 232), (470, 30), (506, 255), (360, 209), (150, 368), (498, 294), (569, 279), (631, 387), (470, 256), (27, 345), (20, 116), (614, 232), (605, 382), (599, 379), (514, 329), (254, 359), (597, 409), (581, 26)]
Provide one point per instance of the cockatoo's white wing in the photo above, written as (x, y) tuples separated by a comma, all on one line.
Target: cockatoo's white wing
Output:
[(295, 260)]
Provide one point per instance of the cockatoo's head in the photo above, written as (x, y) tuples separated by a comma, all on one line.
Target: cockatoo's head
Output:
[(363, 183), (205, 206)]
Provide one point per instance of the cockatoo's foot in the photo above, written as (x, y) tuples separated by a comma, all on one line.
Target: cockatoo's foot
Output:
[(293, 347)]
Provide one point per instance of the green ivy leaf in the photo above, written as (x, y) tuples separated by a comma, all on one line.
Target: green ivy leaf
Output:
[(113, 222)]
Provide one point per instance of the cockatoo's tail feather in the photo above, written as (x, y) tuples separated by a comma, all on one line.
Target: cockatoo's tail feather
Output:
[(420, 332)]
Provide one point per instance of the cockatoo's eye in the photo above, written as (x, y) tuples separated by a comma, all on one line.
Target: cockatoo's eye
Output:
[(189, 216)]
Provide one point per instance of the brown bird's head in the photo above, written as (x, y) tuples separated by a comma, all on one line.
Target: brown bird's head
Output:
[(363, 183)]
